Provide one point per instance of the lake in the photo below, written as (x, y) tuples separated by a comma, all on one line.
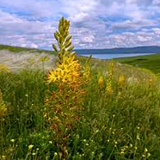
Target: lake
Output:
[(111, 56)]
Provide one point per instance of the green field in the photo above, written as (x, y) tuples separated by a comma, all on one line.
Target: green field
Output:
[(151, 62), (123, 125)]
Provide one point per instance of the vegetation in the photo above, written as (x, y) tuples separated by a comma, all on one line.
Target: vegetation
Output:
[(150, 62), (81, 110)]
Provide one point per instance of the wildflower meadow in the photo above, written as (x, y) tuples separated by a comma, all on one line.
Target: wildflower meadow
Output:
[(80, 109)]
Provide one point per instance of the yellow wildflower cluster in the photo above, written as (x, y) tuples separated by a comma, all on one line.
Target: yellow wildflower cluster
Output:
[(87, 73), (109, 88), (101, 82), (67, 72), (111, 68), (3, 108), (67, 100), (122, 81)]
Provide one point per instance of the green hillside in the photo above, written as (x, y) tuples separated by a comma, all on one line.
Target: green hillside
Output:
[(20, 49), (151, 62)]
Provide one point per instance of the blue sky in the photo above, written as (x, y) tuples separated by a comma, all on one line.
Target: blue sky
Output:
[(94, 23)]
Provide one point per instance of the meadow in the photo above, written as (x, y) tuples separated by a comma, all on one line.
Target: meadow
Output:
[(150, 62), (65, 107)]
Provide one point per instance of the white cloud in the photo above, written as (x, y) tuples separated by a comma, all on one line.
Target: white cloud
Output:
[(87, 39), (79, 17), (35, 8), (156, 31), (156, 2), (94, 23)]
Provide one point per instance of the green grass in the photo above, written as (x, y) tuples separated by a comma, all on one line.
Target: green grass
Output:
[(121, 126), (150, 62)]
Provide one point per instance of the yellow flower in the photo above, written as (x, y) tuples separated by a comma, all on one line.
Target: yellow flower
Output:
[(12, 140), (51, 77), (101, 82), (30, 146), (68, 71), (122, 81), (109, 89), (111, 67), (3, 108)]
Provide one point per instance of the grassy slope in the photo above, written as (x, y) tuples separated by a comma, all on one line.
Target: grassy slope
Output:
[(20, 49), (16, 58), (151, 62), (114, 127)]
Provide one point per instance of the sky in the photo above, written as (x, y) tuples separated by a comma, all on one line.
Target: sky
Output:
[(94, 23)]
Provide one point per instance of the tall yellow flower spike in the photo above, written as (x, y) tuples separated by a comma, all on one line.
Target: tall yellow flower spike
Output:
[(3, 108), (109, 89), (68, 69), (101, 82), (122, 81), (66, 102)]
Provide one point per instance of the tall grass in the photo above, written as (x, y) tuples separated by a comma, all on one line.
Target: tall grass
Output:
[(124, 125)]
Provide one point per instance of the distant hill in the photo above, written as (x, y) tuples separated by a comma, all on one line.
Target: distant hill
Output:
[(142, 49), (20, 49)]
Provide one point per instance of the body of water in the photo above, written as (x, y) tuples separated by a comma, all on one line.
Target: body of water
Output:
[(113, 55)]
